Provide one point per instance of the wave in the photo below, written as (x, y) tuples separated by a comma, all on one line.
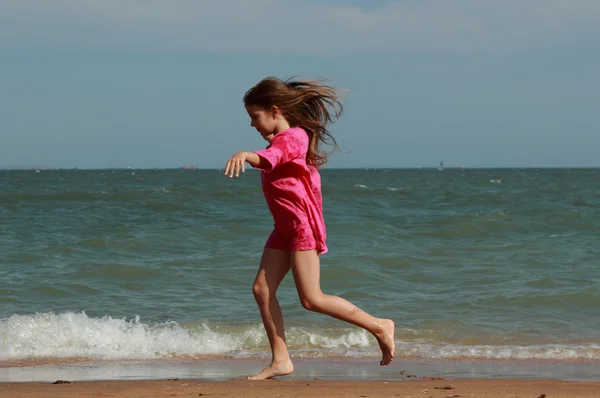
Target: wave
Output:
[(76, 335)]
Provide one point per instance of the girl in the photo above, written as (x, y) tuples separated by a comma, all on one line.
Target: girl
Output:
[(292, 117)]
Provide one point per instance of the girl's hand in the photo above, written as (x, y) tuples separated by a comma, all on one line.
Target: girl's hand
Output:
[(235, 164)]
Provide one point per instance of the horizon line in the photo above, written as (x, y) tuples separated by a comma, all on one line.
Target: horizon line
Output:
[(29, 168)]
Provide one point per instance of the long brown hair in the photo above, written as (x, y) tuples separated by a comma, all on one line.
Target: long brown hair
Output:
[(308, 104)]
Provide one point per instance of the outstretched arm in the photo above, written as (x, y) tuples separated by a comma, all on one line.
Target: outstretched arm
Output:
[(236, 163)]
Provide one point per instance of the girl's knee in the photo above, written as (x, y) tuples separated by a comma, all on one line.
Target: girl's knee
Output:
[(259, 289), (312, 303)]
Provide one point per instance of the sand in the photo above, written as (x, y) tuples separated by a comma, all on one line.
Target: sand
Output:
[(220, 377), (307, 388)]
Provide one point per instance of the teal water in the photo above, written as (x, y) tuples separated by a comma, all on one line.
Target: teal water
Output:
[(137, 264)]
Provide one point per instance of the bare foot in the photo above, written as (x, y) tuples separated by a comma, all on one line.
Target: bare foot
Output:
[(273, 370), (385, 338)]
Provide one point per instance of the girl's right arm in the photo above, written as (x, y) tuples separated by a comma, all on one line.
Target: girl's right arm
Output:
[(236, 163)]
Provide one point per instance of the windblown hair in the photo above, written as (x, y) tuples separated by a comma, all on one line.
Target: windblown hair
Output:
[(306, 104)]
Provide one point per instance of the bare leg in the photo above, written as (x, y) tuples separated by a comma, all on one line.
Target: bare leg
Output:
[(274, 265), (306, 269)]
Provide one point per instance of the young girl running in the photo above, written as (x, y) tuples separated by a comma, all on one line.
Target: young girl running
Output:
[(292, 116)]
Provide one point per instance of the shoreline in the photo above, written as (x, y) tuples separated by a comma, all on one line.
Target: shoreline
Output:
[(325, 377), (308, 388), (48, 370)]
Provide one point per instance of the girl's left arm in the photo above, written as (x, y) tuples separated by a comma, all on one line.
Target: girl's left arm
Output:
[(236, 163)]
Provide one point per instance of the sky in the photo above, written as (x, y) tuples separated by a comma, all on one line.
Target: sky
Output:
[(159, 83)]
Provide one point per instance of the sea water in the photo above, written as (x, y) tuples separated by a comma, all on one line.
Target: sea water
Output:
[(475, 264)]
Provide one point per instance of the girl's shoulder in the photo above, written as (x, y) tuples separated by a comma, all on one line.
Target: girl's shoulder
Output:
[(294, 131), (297, 134)]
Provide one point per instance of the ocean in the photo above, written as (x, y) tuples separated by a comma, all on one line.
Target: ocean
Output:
[(157, 265)]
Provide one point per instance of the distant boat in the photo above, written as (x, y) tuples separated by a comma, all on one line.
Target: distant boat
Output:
[(441, 168), (188, 168)]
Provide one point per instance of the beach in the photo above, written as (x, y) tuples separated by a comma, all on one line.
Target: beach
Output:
[(313, 378), (480, 388)]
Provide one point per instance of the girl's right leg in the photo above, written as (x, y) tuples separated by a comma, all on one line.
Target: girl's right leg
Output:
[(306, 269), (274, 265)]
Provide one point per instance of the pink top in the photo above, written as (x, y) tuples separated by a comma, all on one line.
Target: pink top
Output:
[(292, 188)]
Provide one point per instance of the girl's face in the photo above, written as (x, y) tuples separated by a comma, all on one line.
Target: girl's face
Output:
[(266, 121)]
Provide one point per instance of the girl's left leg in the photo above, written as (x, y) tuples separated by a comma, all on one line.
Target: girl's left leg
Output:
[(274, 265), (306, 268)]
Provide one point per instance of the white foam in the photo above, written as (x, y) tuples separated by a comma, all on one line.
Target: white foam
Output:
[(358, 338), (514, 352), (78, 335)]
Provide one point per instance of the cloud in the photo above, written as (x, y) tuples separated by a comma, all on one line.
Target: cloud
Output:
[(435, 26)]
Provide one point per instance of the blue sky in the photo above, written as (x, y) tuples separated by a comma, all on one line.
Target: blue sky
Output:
[(149, 83)]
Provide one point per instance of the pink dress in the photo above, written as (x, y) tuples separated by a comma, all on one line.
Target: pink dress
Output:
[(292, 189)]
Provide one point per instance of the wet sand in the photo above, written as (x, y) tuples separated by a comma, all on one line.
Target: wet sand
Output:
[(221, 377), (224, 369), (480, 388)]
